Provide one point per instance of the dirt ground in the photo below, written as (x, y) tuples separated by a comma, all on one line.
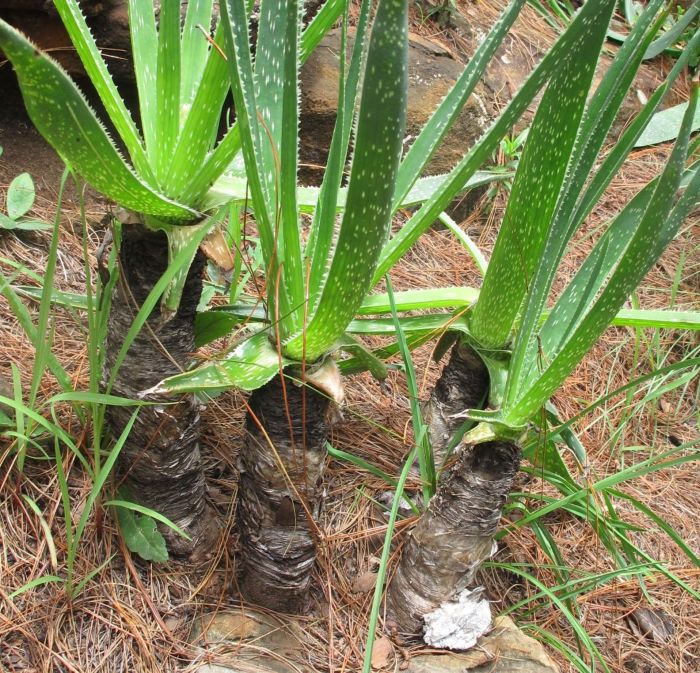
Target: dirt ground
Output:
[(133, 616)]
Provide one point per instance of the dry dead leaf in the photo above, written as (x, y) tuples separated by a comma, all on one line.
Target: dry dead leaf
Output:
[(381, 653)]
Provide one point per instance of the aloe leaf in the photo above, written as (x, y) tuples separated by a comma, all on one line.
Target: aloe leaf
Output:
[(625, 144), (323, 228), (234, 18), (411, 300), (199, 131), (660, 319), (671, 36), (657, 224), (368, 361), (95, 67), (180, 239), (277, 76), (225, 152), (231, 188), (469, 245), (144, 50), (194, 49), (20, 196), (597, 120), (66, 121), (536, 189), (572, 40), (449, 109), (247, 367), (168, 87), (367, 218), (437, 323)]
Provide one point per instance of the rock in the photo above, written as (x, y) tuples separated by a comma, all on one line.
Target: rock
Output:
[(506, 649), (431, 73), (263, 643)]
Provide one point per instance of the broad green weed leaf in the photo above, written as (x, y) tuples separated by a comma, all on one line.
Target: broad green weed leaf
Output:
[(665, 125), (23, 225), (20, 196), (63, 117), (142, 535)]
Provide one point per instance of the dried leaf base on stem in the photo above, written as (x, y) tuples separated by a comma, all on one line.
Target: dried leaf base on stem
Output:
[(462, 385), (281, 466), (160, 462)]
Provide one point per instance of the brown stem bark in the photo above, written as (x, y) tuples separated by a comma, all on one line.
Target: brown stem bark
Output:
[(281, 467), (160, 462), (455, 534)]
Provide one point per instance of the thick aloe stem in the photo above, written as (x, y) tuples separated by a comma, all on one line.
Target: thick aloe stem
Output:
[(160, 462), (281, 466), (455, 535), (462, 385)]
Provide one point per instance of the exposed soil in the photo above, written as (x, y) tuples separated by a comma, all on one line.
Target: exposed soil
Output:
[(133, 616)]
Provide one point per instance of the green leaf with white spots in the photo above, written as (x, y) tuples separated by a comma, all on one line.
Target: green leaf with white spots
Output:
[(277, 65), (323, 228), (194, 48), (573, 40), (198, 134), (558, 230), (168, 88), (226, 151), (658, 214), (367, 217), (95, 67), (66, 121), (441, 120), (633, 131), (234, 19), (20, 196), (144, 51), (538, 183), (247, 367)]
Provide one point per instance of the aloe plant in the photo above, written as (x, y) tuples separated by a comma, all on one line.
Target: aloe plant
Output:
[(169, 188), (527, 349)]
